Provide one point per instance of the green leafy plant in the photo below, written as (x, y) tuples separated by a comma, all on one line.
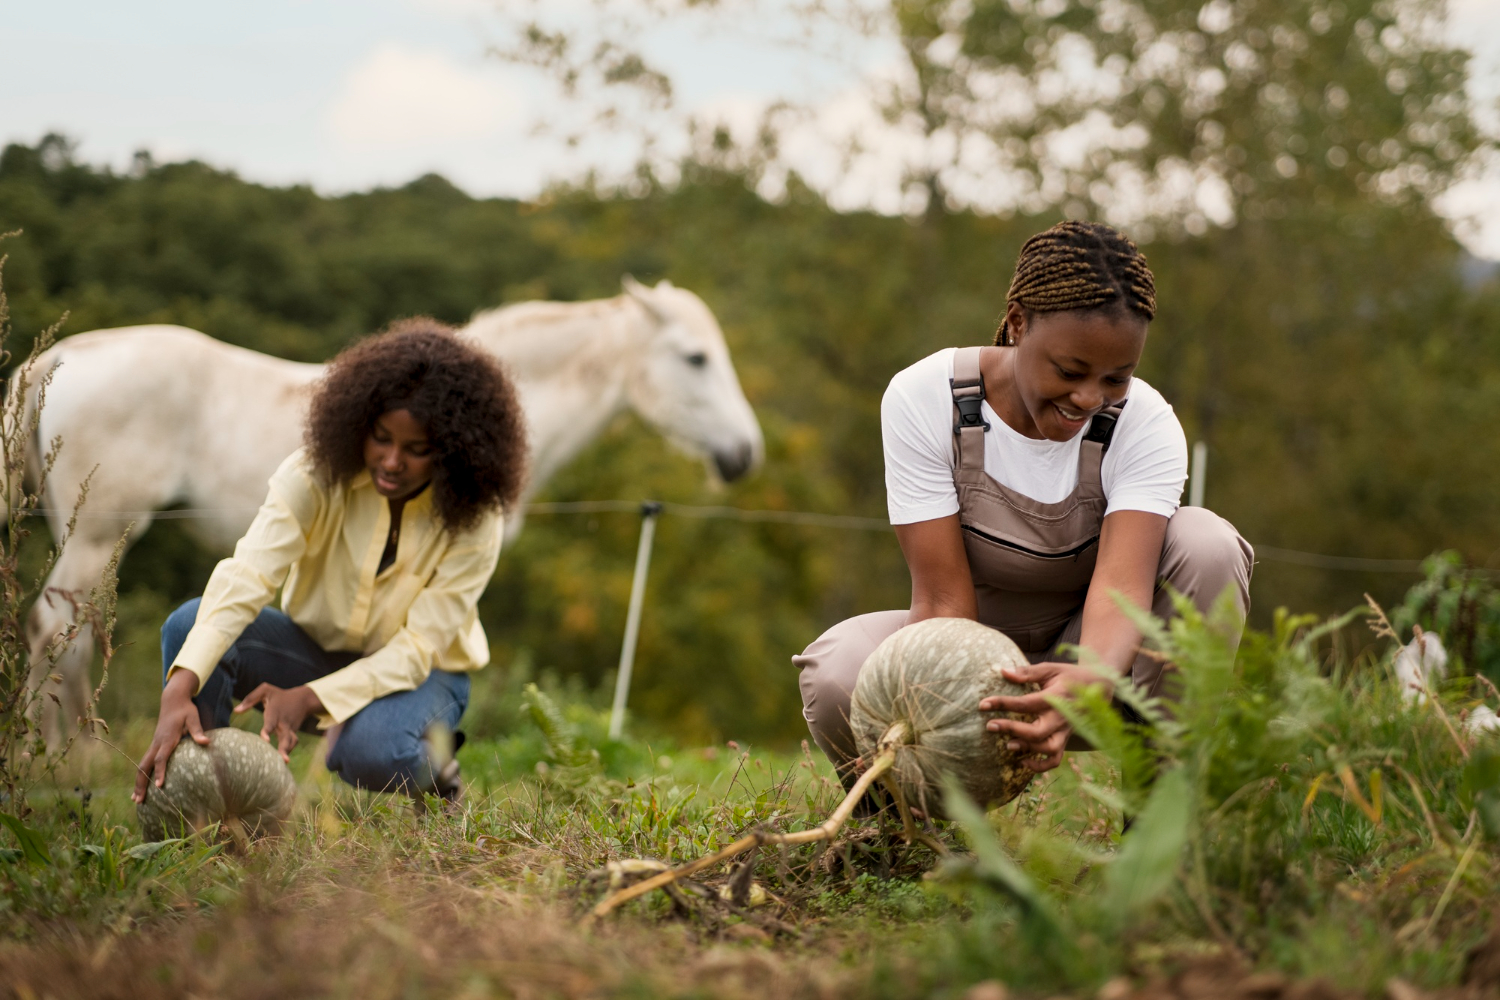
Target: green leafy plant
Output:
[(1277, 784), (570, 757), (33, 848)]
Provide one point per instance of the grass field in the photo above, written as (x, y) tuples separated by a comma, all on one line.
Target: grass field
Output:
[(1306, 828)]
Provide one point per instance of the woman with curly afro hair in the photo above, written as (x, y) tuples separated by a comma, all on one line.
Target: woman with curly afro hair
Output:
[(381, 533)]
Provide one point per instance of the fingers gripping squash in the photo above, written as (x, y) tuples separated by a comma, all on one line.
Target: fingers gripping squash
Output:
[(238, 779), (931, 677)]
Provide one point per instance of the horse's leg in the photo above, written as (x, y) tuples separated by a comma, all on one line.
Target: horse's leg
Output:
[(60, 670)]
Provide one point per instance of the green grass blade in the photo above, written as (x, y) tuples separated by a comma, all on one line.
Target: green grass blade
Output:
[(991, 863), (33, 848), (1150, 854)]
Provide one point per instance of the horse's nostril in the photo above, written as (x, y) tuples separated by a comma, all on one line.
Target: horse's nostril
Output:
[(732, 464)]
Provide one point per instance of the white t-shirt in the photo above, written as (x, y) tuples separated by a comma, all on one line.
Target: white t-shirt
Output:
[(1144, 469)]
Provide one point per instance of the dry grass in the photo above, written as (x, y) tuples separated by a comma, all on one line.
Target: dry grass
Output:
[(403, 935), (364, 897)]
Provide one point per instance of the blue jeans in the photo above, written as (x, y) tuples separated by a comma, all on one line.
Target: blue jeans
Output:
[(381, 745)]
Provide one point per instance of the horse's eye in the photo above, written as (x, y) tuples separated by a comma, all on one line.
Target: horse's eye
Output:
[(697, 360)]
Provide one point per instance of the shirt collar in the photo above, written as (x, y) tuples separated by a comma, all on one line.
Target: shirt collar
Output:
[(421, 502)]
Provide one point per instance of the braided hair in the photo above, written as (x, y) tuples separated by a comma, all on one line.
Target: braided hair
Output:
[(1081, 266)]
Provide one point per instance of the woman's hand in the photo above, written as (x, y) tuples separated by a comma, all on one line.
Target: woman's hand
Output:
[(285, 711), (178, 716), (1045, 738), (1130, 546)]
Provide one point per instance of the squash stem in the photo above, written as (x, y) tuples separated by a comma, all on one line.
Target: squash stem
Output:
[(885, 758)]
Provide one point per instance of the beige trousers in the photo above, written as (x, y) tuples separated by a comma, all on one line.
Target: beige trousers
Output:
[(1201, 557)]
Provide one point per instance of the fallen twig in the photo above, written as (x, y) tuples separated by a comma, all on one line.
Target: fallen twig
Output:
[(884, 759)]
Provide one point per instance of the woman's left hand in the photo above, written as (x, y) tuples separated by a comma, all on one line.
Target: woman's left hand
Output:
[(1044, 739), (285, 711)]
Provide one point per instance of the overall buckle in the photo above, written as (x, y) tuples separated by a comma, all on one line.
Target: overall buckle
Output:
[(1102, 428), (968, 406)]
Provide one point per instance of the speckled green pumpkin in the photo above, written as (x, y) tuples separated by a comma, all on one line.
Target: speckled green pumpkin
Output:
[(931, 676), (238, 776)]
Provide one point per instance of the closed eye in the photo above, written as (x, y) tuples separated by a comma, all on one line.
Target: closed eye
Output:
[(697, 359), (1070, 376)]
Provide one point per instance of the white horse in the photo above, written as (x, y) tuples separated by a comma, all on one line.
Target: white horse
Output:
[(164, 415)]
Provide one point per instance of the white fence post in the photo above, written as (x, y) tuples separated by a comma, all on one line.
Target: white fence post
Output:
[(650, 510), (1200, 467)]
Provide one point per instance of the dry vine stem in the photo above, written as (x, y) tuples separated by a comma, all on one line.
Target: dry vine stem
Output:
[(885, 757)]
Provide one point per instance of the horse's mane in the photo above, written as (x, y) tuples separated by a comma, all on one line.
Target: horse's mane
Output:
[(531, 334), (518, 319)]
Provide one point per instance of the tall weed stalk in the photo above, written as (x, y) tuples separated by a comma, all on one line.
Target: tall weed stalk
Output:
[(25, 466)]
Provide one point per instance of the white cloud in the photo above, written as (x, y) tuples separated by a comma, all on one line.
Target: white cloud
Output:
[(1473, 208), (398, 95)]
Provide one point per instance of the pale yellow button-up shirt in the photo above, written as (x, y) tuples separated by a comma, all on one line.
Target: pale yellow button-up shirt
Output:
[(324, 543)]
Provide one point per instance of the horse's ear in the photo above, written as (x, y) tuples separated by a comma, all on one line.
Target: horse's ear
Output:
[(642, 294)]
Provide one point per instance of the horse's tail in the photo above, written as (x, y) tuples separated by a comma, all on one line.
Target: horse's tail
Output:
[(22, 418)]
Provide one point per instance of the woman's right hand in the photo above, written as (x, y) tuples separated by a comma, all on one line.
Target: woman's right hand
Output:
[(178, 715)]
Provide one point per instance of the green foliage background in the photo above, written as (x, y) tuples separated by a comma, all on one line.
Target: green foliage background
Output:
[(1335, 358)]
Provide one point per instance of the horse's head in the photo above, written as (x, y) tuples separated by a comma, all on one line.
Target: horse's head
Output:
[(685, 385)]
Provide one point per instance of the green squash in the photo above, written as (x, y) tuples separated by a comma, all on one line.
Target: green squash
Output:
[(238, 780), (931, 677)]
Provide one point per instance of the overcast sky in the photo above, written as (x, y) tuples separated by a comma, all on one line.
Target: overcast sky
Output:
[(348, 94)]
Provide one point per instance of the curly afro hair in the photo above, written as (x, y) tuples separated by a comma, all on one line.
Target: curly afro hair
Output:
[(460, 393)]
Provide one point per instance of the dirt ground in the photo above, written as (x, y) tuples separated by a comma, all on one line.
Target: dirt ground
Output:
[(401, 940), (409, 938), (1225, 978)]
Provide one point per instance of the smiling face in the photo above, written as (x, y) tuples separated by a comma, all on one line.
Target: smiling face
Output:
[(1067, 366), (398, 455)]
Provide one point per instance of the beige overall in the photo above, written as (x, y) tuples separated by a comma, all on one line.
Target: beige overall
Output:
[(1031, 563)]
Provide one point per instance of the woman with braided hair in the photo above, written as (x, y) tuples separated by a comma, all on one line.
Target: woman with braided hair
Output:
[(1025, 493)]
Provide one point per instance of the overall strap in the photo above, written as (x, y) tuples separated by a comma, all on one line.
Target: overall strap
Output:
[(1095, 443), (969, 425)]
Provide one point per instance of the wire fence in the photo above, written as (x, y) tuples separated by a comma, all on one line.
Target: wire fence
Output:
[(847, 522), (1269, 552), (1356, 564), (650, 511)]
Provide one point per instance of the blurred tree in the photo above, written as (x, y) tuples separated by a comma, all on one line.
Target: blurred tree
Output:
[(1174, 113), (1269, 104)]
